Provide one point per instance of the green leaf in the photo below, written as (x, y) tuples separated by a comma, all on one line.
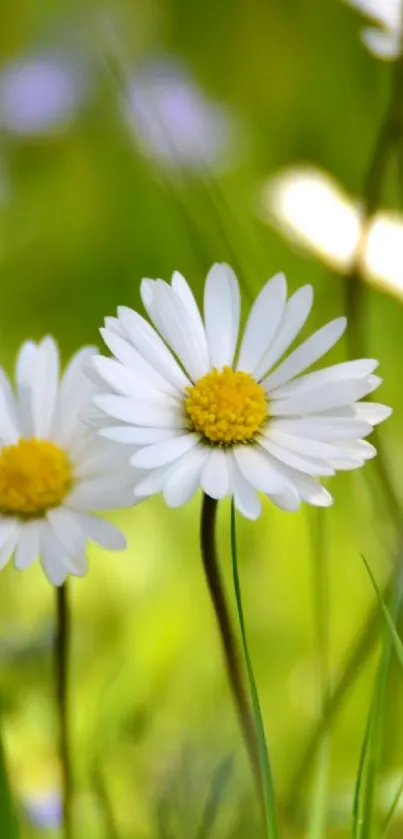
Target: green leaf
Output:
[(8, 818), (370, 759), (317, 821), (218, 787), (267, 780), (397, 644), (391, 812), (360, 773)]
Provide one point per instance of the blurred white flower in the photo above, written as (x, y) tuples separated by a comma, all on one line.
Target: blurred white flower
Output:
[(44, 810), (39, 94), (233, 423), (54, 470), (311, 209), (175, 123), (385, 40)]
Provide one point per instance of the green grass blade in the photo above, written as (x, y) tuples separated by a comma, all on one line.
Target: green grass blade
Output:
[(217, 789), (397, 644), (317, 821), (267, 779), (370, 759), (360, 773), (8, 819), (392, 809)]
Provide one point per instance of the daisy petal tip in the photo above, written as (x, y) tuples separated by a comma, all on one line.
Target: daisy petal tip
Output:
[(146, 291), (121, 542), (123, 311), (323, 499)]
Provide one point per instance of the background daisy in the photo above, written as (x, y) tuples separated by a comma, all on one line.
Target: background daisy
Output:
[(54, 470)]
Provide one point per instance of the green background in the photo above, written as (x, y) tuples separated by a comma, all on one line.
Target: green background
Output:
[(84, 217)]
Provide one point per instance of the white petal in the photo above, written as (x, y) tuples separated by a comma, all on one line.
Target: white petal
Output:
[(154, 480), (114, 325), (74, 396), (386, 12), (182, 482), (67, 529), (256, 466), (171, 317), (152, 348), (288, 500), (8, 528), (246, 498), (103, 532), (307, 353), (347, 370), (372, 412), (9, 431), (313, 466), (136, 435), (382, 44), (160, 454), (52, 556), (182, 288), (27, 548), (7, 550), (24, 370), (321, 428), (215, 475), (130, 357), (221, 314), (346, 463), (45, 387), (94, 418), (122, 379), (308, 489), (141, 412), (302, 445), (361, 449), (108, 492), (99, 458), (262, 324), (295, 314), (325, 396), (9, 398)]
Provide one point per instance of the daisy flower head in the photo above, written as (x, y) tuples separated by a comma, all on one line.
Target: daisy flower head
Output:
[(233, 422), (384, 39), (55, 470)]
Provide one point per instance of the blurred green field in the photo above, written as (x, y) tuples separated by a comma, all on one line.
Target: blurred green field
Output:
[(87, 208)]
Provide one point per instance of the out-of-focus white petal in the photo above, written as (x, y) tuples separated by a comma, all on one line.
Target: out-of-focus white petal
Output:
[(45, 387)]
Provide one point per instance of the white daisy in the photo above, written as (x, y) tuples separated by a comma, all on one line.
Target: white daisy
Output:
[(385, 41), (203, 415), (54, 470)]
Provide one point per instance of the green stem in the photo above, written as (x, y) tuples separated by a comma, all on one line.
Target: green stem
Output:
[(264, 760), (62, 646), (228, 637)]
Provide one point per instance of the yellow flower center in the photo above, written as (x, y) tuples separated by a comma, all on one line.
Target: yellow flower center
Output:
[(226, 406), (35, 475)]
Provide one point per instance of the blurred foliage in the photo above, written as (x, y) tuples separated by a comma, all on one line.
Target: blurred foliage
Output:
[(84, 215)]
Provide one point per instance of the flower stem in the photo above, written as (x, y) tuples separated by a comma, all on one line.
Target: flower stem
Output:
[(228, 637), (269, 798), (62, 645)]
